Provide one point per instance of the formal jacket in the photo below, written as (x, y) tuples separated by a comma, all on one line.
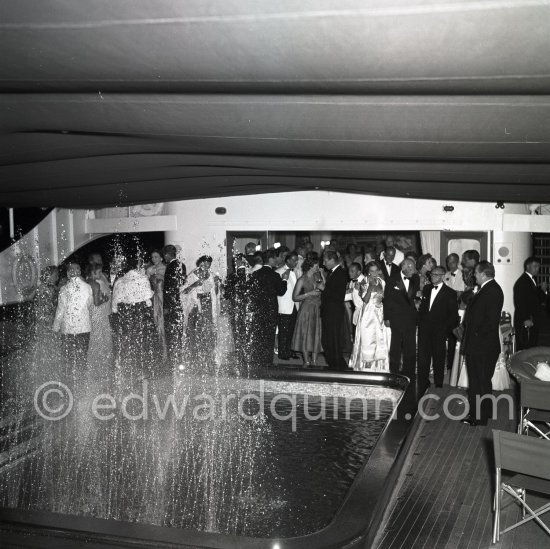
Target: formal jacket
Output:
[(332, 297), (265, 285), (482, 320), (286, 303), (399, 306), (442, 317), (528, 301), (392, 272), (73, 314), (174, 279)]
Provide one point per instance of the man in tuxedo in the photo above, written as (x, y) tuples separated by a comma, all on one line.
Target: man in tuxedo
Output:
[(400, 316), (265, 285), (333, 311), (287, 307), (389, 268), (482, 342), (437, 316), (174, 279), (528, 300)]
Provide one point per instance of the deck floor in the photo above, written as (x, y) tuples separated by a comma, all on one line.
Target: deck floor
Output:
[(444, 496)]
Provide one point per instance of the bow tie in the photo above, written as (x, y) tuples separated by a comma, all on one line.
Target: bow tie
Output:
[(406, 278), (389, 264), (436, 287), (354, 279), (453, 274)]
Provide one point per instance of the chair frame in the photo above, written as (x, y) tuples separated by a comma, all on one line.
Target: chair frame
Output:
[(517, 493), (527, 388)]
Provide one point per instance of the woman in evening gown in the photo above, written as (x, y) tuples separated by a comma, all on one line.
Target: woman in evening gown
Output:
[(200, 299), (370, 350), (155, 273), (307, 292)]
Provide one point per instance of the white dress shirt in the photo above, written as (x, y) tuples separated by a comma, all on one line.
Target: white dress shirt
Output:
[(433, 294), (355, 298), (455, 280), (74, 308), (286, 303), (134, 287), (405, 281), (532, 279)]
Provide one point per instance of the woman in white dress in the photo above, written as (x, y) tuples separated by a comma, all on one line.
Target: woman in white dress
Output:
[(370, 351)]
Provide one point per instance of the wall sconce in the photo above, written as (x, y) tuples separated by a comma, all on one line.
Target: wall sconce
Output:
[(448, 208), (259, 248), (277, 245), (499, 205), (220, 210)]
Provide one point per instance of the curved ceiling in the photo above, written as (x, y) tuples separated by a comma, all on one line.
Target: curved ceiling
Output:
[(113, 102)]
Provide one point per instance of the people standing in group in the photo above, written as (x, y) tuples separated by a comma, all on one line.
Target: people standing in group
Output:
[(73, 317), (482, 342), (201, 307), (265, 285), (390, 267), (174, 279), (333, 311), (370, 352), (132, 300), (100, 350), (155, 272), (400, 315), (307, 292), (529, 300), (287, 307), (437, 317)]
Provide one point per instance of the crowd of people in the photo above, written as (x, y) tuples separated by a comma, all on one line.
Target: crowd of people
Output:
[(389, 311)]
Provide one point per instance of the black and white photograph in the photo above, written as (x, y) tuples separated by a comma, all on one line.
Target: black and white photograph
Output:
[(275, 275)]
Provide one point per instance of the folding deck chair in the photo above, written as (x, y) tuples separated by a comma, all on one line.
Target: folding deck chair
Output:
[(524, 456), (534, 412)]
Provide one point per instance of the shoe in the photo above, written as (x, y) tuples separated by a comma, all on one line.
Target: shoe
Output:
[(470, 421)]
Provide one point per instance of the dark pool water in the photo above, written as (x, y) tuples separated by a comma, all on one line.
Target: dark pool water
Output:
[(256, 477)]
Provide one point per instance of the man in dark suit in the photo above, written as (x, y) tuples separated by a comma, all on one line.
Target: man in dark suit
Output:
[(528, 310), (482, 342), (174, 279), (389, 268), (333, 311), (437, 316), (265, 285), (400, 315)]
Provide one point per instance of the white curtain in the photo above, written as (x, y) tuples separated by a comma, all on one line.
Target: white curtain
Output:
[(431, 243)]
